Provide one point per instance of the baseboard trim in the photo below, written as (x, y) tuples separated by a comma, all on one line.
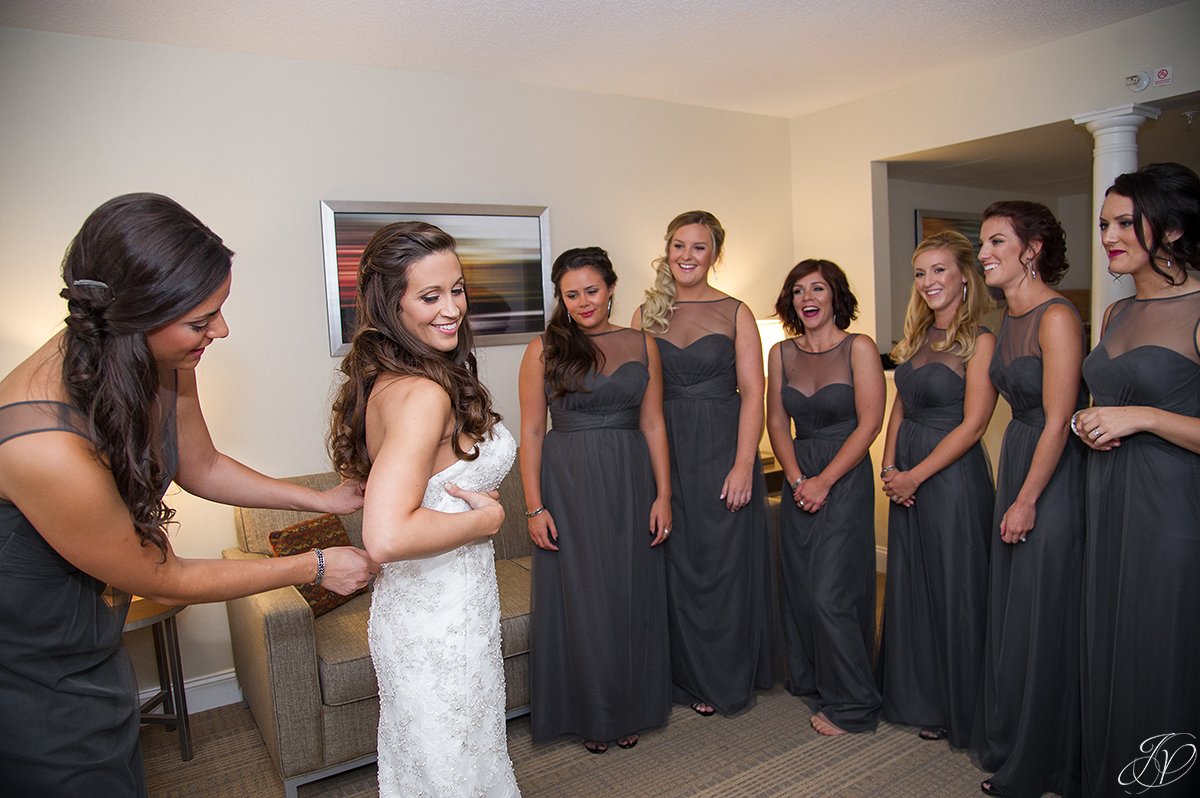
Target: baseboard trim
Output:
[(206, 692)]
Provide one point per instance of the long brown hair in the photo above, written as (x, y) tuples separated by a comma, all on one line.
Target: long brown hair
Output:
[(381, 345), (569, 354), (963, 330), (139, 262)]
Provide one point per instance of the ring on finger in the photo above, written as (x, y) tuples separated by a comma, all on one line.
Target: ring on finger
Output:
[(1095, 433)]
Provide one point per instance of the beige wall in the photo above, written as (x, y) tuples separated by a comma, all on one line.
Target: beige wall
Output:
[(836, 187), (833, 150), (251, 144)]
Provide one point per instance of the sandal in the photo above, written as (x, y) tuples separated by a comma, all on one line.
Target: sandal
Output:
[(628, 741), (931, 733), (696, 707), (593, 747)]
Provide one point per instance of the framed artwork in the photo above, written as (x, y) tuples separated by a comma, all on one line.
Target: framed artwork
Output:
[(504, 250), (930, 222)]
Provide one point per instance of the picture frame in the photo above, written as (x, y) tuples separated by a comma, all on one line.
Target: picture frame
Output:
[(930, 222), (504, 251)]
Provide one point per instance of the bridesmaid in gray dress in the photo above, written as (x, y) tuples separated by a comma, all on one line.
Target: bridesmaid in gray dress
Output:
[(939, 480), (719, 563), (1141, 656), (830, 385), (1027, 726), (94, 426), (598, 491)]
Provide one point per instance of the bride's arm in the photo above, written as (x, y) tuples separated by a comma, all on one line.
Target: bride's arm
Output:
[(413, 416)]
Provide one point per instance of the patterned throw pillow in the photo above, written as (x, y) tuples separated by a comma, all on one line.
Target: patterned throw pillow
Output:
[(322, 532)]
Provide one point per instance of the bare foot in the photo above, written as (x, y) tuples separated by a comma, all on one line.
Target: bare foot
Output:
[(824, 727)]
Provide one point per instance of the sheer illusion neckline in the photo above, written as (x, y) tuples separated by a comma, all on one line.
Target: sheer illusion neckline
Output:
[(1136, 298), (699, 301), (606, 332), (1008, 311), (796, 342)]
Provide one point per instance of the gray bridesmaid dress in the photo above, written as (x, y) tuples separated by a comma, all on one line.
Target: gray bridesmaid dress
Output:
[(718, 562), (599, 663), (935, 607), (1141, 601), (1027, 725), (828, 557), (69, 723)]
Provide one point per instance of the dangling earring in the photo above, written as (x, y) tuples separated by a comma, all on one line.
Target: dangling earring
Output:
[(964, 292), (1029, 267), (570, 319), (610, 306)]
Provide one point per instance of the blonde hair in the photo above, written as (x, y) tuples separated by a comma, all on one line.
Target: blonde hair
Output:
[(963, 329), (660, 297)]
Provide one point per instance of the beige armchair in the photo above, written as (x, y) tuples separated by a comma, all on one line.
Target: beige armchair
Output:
[(309, 682)]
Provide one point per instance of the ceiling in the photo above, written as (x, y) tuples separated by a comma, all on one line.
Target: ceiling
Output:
[(780, 58)]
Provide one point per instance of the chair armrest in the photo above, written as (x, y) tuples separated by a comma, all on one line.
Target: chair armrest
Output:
[(275, 656)]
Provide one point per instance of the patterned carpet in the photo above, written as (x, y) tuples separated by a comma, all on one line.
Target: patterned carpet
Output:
[(767, 751)]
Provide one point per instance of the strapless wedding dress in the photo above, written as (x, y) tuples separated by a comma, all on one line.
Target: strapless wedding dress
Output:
[(435, 641)]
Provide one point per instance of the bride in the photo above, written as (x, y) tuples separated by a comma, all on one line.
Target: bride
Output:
[(413, 418)]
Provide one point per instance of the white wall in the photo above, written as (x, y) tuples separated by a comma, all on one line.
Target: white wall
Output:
[(833, 150), (251, 144)]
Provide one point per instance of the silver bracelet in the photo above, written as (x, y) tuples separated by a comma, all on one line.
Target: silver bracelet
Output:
[(531, 513), (796, 484), (887, 469), (1074, 428), (320, 567)]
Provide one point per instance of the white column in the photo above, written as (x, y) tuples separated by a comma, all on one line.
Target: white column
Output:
[(1116, 152)]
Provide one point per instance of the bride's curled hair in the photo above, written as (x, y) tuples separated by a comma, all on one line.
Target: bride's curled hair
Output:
[(381, 345), (139, 262)]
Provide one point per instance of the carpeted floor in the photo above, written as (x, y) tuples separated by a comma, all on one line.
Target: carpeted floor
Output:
[(768, 751)]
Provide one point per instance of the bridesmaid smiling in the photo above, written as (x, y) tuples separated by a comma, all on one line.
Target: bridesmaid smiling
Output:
[(718, 563), (939, 480), (829, 384), (1027, 726)]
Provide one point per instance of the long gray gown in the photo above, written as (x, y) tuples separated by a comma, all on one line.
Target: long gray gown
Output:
[(1141, 605), (68, 698), (600, 668), (718, 563), (1027, 726), (935, 607), (828, 557)]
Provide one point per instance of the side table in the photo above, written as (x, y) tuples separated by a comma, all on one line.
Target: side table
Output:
[(161, 619)]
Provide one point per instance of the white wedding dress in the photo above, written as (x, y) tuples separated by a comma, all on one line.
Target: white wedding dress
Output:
[(435, 641)]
